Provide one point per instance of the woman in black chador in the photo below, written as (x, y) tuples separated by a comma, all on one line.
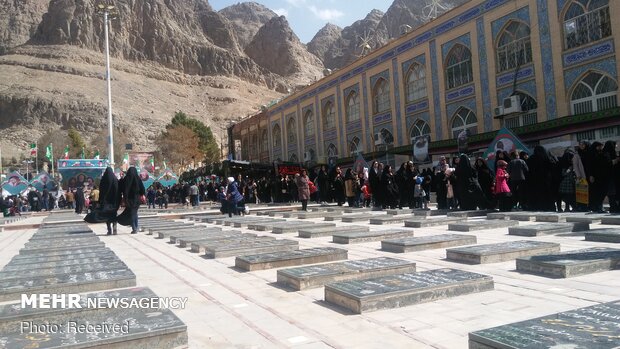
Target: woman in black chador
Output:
[(107, 206), (80, 202), (389, 187), (131, 189), (471, 195), (542, 180)]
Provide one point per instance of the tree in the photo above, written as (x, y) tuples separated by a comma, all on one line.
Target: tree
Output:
[(207, 143), (59, 139), (100, 142), (76, 145), (179, 145)]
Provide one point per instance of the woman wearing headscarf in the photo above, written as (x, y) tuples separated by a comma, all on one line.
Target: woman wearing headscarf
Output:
[(350, 187), (303, 188), (79, 200), (485, 178), (108, 203), (389, 187), (471, 195), (234, 197), (131, 189), (374, 180), (540, 182)]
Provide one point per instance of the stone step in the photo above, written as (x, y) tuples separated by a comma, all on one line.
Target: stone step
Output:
[(200, 246), (318, 275), (252, 246), (290, 258), (611, 220), (378, 235), (481, 225), (603, 235), (405, 289), (571, 263), (500, 252), (30, 271), (390, 219), (595, 326), (187, 242), (418, 222), (68, 283), (201, 229), (294, 227), (426, 242), (473, 213), (547, 229), (137, 328), (328, 231)]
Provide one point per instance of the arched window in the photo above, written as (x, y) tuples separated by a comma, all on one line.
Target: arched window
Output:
[(386, 137), (416, 83), (291, 131), (458, 67), (464, 119), (309, 123), (420, 128), (355, 145), (264, 141), (332, 151), (586, 21), (529, 115), (293, 158), (309, 155), (353, 107), (594, 92), (381, 96), (528, 103), (514, 47), (276, 133), (329, 117)]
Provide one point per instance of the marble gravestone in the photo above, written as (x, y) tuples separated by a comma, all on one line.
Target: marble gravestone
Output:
[(328, 231), (290, 258), (426, 242), (368, 236), (481, 225), (603, 235), (571, 263), (547, 229), (500, 252)]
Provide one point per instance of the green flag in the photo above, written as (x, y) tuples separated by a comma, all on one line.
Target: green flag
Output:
[(48, 152), (33, 149), (66, 155), (152, 163), (82, 155), (97, 154)]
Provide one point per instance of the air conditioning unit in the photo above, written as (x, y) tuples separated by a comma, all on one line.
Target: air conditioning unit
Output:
[(512, 104), (499, 111), (307, 156), (378, 138)]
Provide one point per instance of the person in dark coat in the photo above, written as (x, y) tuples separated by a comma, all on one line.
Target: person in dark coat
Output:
[(109, 201), (131, 188), (303, 189), (338, 186), (79, 200), (389, 187), (485, 178), (374, 180), (471, 195), (540, 180), (322, 181)]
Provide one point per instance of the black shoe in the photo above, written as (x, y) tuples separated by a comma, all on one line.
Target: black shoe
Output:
[(134, 232), (109, 233)]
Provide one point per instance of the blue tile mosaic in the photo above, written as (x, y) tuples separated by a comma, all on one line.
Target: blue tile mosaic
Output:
[(340, 116), (460, 93), (452, 108), (366, 112), (381, 118), (528, 87), (547, 59), (588, 53), (436, 97), (522, 14), (524, 73), (417, 107), (396, 94), (606, 66), (384, 74), (463, 40), (484, 76), (411, 120)]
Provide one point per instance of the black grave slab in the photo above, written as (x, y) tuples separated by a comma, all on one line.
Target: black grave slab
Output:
[(251, 246), (593, 327), (586, 218), (524, 216), (294, 227), (418, 222), (202, 245), (267, 226), (603, 235), (207, 229), (185, 242), (390, 219), (552, 217), (41, 263), (35, 271), (405, 289), (498, 215), (426, 242), (328, 231), (399, 211), (368, 236), (290, 258), (473, 213), (319, 275), (68, 283), (481, 225), (571, 263), (55, 256), (247, 223), (547, 229), (175, 238), (430, 213), (611, 220), (39, 248), (500, 252)]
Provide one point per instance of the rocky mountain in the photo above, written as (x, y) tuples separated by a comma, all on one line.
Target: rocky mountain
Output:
[(322, 43), (19, 20), (246, 19), (276, 48)]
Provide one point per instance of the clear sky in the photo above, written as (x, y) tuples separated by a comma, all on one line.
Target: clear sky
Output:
[(307, 17)]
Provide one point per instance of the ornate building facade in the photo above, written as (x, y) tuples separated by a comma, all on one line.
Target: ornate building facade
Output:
[(545, 69)]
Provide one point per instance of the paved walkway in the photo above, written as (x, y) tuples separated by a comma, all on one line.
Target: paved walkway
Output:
[(231, 309)]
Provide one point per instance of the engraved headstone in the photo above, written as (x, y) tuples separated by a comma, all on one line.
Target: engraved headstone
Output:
[(547, 229), (473, 213), (360, 217), (418, 222), (593, 327), (254, 246), (202, 245), (611, 220), (405, 289), (571, 263), (481, 225), (586, 218), (552, 217), (294, 227), (426, 242), (500, 252), (378, 235), (328, 231), (319, 275), (390, 219), (290, 258), (603, 235), (430, 213)]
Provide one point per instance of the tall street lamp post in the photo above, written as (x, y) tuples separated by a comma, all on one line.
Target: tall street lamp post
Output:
[(108, 11)]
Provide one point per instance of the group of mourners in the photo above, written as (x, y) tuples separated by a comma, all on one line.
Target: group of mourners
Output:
[(128, 192)]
